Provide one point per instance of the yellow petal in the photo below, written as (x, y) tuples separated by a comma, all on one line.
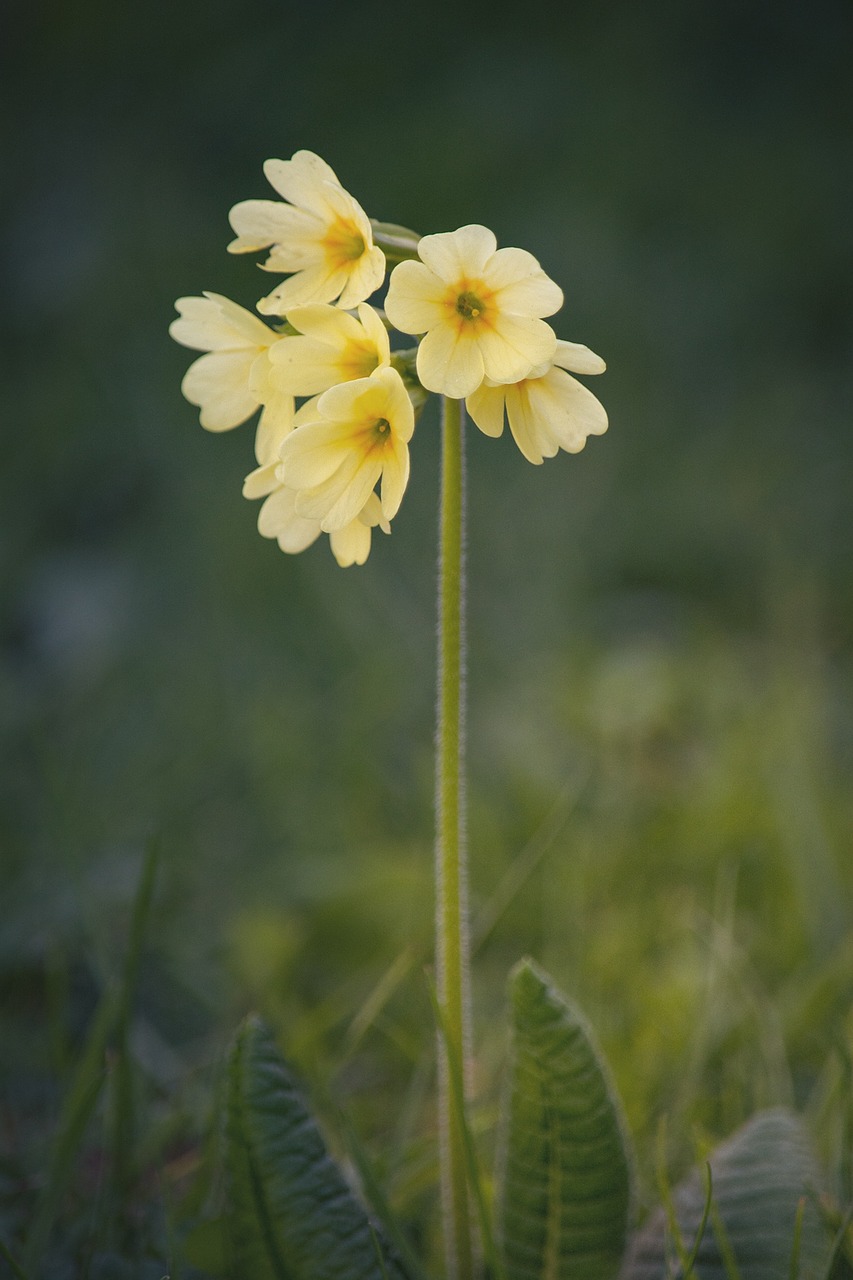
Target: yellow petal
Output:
[(274, 426), (371, 514), (382, 395), (455, 254), (215, 323), (261, 481), (395, 477), (346, 208), (415, 299), (486, 407), (376, 332), (312, 454), (318, 283), (301, 179), (449, 361), (365, 277), (534, 295), (278, 518), (526, 425), (514, 346), (305, 367), (551, 413), (258, 224), (521, 285), (219, 384), (350, 545), (340, 498), (577, 358), (326, 323)]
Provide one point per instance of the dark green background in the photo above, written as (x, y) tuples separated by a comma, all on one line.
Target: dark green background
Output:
[(661, 624)]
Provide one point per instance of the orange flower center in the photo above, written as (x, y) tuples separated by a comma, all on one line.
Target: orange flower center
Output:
[(469, 306), (358, 361), (343, 243)]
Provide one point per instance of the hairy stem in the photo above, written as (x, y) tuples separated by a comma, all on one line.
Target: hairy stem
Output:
[(452, 959)]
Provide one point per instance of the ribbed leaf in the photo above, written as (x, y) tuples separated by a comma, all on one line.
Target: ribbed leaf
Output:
[(757, 1180), (566, 1185), (291, 1214)]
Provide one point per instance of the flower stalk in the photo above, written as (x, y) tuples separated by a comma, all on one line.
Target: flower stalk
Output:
[(452, 940)]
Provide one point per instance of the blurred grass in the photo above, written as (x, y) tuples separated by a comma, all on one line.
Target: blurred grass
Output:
[(661, 688)]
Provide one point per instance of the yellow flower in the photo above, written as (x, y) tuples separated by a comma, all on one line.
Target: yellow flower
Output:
[(279, 519), (548, 411), (480, 308), (332, 346), (359, 434), (322, 236), (233, 379)]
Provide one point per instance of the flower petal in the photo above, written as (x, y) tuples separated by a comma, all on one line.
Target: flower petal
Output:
[(340, 498), (311, 454), (450, 362), (486, 407), (301, 180), (365, 277), (350, 545), (274, 426), (318, 283), (278, 518), (551, 413), (521, 285), (219, 384), (327, 324), (514, 346), (415, 298), (376, 332), (215, 323), (305, 367), (453, 255), (581, 414), (344, 207), (261, 481), (261, 223), (577, 358), (395, 477), (528, 429), (395, 405)]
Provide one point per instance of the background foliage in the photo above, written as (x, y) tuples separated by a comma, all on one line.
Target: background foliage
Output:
[(661, 688)]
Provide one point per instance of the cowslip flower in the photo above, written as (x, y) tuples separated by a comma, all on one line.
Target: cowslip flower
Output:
[(548, 411), (479, 307), (331, 346), (358, 436), (321, 237), (233, 379), (278, 517)]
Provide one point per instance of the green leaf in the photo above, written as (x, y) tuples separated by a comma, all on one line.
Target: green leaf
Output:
[(290, 1213), (566, 1185), (759, 1178)]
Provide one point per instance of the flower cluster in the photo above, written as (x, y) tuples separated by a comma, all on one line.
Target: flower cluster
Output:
[(337, 405)]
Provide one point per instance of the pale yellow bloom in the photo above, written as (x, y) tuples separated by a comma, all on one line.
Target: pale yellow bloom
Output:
[(548, 411), (322, 237), (480, 308), (332, 346), (278, 517), (358, 435), (233, 379)]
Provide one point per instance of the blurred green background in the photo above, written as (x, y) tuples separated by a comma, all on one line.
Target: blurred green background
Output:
[(661, 688)]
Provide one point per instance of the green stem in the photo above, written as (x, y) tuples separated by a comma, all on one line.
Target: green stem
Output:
[(452, 960)]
